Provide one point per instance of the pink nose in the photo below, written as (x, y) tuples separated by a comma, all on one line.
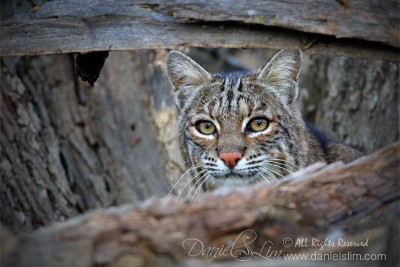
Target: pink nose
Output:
[(230, 159)]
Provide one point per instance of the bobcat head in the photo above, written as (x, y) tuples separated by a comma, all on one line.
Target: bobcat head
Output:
[(239, 128)]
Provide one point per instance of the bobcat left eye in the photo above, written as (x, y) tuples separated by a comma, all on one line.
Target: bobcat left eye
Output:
[(257, 125), (206, 127)]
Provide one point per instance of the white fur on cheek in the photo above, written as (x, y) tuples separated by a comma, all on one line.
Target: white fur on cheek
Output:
[(241, 165), (221, 166), (205, 136)]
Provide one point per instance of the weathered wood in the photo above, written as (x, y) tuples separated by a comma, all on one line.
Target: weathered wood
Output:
[(76, 26), (352, 99), (348, 199), (370, 20), (66, 148)]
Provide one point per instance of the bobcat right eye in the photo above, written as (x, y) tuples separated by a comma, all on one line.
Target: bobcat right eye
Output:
[(206, 127)]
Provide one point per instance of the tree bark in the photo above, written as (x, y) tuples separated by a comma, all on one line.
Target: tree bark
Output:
[(66, 148), (347, 198), (354, 100)]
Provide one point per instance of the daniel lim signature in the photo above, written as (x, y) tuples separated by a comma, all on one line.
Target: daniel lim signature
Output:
[(241, 249)]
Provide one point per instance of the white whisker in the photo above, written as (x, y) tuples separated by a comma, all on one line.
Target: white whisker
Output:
[(295, 156), (281, 167), (294, 166), (280, 175), (205, 179), (267, 180), (190, 180), (188, 194), (286, 163), (272, 173), (183, 175)]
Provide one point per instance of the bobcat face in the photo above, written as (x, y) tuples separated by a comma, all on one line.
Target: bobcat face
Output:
[(239, 128)]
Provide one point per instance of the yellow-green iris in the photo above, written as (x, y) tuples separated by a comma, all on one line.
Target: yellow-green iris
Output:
[(257, 124), (206, 127)]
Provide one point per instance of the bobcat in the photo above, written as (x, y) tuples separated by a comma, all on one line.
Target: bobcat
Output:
[(240, 128)]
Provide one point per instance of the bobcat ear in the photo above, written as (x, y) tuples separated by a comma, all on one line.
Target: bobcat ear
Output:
[(282, 72), (184, 72)]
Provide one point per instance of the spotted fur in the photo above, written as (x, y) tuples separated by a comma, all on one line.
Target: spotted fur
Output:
[(230, 102)]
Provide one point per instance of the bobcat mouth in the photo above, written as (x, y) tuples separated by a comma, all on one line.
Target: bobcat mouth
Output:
[(241, 177), (233, 178), (233, 174), (229, 176), (246, 171)]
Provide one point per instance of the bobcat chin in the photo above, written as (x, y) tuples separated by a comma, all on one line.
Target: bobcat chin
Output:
[(240, 128)]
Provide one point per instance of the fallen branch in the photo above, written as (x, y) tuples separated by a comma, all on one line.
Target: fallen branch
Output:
[(347, 199)]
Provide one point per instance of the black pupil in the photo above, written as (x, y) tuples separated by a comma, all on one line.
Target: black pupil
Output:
[(207, 125), (259, 122)]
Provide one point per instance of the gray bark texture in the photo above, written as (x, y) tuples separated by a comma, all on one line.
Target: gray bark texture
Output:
[(369, 20), (318, 26), (67, 148), (354, 100)]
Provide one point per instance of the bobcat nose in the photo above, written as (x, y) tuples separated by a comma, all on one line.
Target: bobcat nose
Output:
[(230, 159)]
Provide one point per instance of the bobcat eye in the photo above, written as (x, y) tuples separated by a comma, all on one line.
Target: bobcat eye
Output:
[(257, 125), (205, 127)]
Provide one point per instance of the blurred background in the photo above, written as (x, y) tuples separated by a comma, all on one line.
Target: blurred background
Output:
[(67, 147)]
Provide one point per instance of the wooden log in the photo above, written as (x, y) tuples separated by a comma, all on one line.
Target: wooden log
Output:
[(347, 198), (370, 20), (75, 26)]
